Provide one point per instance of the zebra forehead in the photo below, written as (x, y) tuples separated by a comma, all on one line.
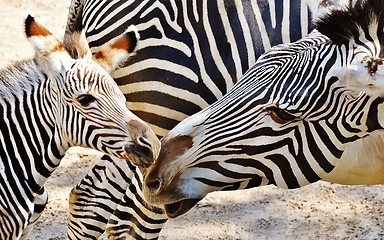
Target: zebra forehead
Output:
[(90, 70)]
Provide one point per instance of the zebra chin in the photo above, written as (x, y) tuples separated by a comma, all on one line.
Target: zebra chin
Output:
[(174, 202), (176, 209)]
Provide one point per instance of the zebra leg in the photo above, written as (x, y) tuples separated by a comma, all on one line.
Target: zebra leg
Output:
[(134, 218), (40, 202), (96, 197)]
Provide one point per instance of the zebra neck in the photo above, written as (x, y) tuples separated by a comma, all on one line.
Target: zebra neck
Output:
[(31, 144), (54, 146)]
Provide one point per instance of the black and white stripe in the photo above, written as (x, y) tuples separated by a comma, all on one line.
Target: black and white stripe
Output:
[(190, 53), (48, 104), (288, 120)]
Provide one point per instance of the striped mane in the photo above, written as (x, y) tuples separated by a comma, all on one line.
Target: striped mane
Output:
[(18, 78), (345, 23)]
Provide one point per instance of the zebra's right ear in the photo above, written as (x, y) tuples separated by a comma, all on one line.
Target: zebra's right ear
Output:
[(118, 50), (77, 45)]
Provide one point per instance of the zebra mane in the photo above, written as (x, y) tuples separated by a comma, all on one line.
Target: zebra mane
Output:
[(18, 78), (341, 24)]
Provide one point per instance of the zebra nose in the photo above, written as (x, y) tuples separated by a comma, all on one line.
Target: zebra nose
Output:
[(145, 145), (144, 152), (153, 185)]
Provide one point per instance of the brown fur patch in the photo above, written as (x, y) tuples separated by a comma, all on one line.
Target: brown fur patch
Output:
[(175, 147), (35, 29), (99, 55), (121, 43), (170, 150)]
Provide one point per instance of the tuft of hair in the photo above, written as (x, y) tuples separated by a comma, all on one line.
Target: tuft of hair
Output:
[(33, 29), (133, 34), (74, 37), (342, 23), (77, 46)]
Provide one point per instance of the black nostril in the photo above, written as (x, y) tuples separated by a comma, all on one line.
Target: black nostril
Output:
[(153, 185), (142, 150)]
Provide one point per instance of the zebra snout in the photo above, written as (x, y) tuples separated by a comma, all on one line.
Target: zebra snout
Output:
[(153, 185), (144, 147), (142, 152)]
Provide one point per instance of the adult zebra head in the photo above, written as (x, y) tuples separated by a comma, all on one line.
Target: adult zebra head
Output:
[(287, 121), (90, 108)]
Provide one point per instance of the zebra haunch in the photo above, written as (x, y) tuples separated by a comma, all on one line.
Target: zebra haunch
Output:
[(50, 103), (287, 121)]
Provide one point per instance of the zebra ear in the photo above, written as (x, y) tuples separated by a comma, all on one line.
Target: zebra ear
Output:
[(74, 38), (77, 45), (117, 51), (50, 53)]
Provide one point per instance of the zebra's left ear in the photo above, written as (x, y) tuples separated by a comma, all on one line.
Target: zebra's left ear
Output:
[(117, 51), (51, 55)]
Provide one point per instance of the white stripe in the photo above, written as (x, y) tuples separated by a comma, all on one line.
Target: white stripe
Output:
[(158, 64), (157, 109), (285, 36), (163, 88), (263, 31)]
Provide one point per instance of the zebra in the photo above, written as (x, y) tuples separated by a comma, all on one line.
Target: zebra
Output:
[(52, 102), (287, 121), (190, 54)]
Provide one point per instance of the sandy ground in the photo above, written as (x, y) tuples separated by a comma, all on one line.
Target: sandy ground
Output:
[(319, 211)]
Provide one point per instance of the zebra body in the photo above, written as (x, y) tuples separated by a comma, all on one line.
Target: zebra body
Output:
[(48, 104), (288, 120), (190, 54), (179, 39)]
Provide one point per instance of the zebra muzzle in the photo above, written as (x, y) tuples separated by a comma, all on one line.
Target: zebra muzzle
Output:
[(139, 155), (144, 146)]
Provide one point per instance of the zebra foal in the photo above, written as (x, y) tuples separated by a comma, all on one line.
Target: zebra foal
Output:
[(52, 102)]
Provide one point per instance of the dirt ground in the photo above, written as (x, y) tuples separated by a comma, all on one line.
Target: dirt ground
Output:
[(318, 211)]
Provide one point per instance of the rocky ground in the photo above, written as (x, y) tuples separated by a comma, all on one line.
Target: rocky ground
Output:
[(318, 211)]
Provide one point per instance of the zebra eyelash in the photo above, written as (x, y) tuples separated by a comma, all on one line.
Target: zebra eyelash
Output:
[(86, 99), (279, 115)]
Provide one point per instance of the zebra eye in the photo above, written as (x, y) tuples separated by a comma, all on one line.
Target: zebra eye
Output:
[(86, 99), (279, 115)]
